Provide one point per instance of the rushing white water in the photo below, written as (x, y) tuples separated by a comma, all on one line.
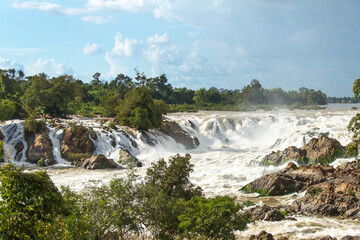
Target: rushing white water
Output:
[(231, 146)]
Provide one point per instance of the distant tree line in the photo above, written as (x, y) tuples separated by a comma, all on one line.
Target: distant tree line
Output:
[(138, 102), (341, 100)]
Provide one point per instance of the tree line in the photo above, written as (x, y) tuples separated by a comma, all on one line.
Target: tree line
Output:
[(138, 102)]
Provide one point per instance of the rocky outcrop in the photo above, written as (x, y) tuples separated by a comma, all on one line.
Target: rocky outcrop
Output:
[(76, 143), (263, 235), (173, 130), (39, 150), (280, 157), (128, 160), (1, 136), (330, 191), (96, 162), (321, 150)]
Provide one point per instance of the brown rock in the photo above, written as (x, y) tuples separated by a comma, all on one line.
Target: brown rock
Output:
[(262, 236), (128, 160), (173, 130), (265, 213), (39, 149), (96, 162), (279, 157), (1, 136), (76, 143), (320, 149)]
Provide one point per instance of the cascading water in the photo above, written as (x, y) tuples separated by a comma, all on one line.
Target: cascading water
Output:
[(14, 142), (231, 146)]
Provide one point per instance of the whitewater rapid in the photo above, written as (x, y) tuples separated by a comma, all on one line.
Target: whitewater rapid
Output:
[(231, 146)]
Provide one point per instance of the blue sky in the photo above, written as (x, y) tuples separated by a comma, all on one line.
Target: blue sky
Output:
[(221, 43)]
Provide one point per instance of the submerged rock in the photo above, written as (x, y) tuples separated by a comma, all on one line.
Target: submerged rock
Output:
[(128, 160), (174, 130), (323, 150), (96, 162), (39, 150), (76, 143)]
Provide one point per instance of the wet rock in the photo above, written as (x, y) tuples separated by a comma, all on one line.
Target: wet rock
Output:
[(96, 162), (348, 237), (76, 143), (39, 149), (322, 150), (128, 160), (263, 235), (330, 191), (174, 130), (279, 157), (1, 136), (145, 137), (265, 213)]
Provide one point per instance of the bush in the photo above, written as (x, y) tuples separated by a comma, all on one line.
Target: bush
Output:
[(213, 218), (29, 203), (34, 126), (1, 151)]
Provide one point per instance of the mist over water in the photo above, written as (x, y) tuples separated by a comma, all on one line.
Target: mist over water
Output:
[(231, 146)]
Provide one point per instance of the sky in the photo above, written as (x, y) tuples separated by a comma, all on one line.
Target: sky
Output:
[(284, 44)]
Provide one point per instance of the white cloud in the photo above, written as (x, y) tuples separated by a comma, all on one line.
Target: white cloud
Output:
[(8, 64), (50, 7), (116, 65), (49, 67), (96, 19), (156, 39), (91, 49), (128, 47)]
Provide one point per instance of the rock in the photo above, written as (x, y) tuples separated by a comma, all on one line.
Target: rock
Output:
[(322, 150), (348, 237), (330, 191), (262, 236), (279, 157), (76, 143), (1, 136), (145, 137), (174, 130), (96, 162), (128, 160), (265, 213), (39, 149)]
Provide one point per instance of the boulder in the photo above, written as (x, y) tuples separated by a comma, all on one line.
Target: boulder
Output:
[(96, 162), (128, 160), (265, 213), (263, 235), (174, 130), (77, 143), (279, 157), (329, 191), (1, 136), (39, 150), (323, 150)]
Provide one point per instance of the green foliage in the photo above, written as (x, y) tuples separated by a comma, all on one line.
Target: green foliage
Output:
[(213, 218), (49, 96), (247, 203), (1, 151), (29, 203), (112, 125), (248, 189), (34, 126), (173, 178), (7, 109), (139, 110)]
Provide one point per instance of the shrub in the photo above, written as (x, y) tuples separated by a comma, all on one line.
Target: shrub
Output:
[(34, 126), (213, 218)]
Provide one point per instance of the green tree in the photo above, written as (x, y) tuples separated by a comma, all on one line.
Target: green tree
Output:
[(139, 110), (211, 218), (7, 109), (29, 203), (354, 125)]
